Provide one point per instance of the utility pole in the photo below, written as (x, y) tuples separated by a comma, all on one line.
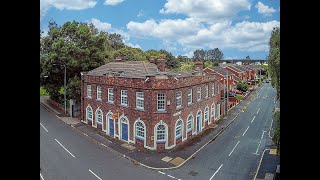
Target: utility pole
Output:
[(227, 91)]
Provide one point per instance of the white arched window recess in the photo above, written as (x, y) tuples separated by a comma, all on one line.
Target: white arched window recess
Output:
[(213, 113), (89, 113), (161, 132), (99, 116), (189, 123), (140, 130), (179, 128), (206, 114)]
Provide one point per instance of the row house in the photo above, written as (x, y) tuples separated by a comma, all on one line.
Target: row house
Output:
[(242, 74), (230, 84), (141, 103)]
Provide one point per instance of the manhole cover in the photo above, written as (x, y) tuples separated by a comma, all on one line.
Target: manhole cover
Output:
[(193, 173)]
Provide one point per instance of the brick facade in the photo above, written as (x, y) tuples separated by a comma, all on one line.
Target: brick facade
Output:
[(151, 86)]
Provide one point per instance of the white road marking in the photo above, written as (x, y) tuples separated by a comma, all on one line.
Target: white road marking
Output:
[(258, 110), (270, 128), (85, 134), (216, 172), (103, 145), (65, 148), (44, 127), (260, 142), (253, 119), (41, 176), (171, 176), (234, 148), (161, 172), (245, 131), (95, 175)]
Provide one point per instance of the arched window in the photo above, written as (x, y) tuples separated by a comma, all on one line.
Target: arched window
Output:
[(140, 130), (213, 111), (189, 123), (161, 133), (89, 113), (178, 128), (99, 116), (206, 114)]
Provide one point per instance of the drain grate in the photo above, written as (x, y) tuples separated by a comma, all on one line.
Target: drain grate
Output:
[(193, 173)]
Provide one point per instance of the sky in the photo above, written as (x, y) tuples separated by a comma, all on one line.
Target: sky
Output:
[(239, 28)]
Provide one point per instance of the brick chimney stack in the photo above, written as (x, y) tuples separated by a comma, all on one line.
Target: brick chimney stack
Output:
[(161, 64), (199, 65)]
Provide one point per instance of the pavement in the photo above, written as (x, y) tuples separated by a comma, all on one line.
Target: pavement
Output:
[(268, 165), (150, 159)]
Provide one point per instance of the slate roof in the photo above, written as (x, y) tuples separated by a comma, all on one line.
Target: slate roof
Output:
[(221, 70), (235, 69), (133, 69)]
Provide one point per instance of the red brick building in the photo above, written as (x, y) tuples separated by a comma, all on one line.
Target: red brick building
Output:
[(242, 74), (138, 102)]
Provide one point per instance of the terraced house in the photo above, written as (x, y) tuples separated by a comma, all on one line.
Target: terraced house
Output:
[(141, 103)]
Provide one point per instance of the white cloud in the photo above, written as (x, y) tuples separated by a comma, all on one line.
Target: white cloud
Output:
[(167, 28), (65, 4), (206, 10), (244, 36), (264, 9), (102, 26), (133, 45), (112, 2)]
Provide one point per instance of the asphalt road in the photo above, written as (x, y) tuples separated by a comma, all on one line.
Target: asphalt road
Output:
[(235, 154), (67, 155)]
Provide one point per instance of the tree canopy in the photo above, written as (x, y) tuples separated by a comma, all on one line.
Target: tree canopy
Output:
[(76, 46), (212, 55), (274, 59)]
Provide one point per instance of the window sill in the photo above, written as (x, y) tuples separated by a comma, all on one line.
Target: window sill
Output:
[(206, 97), (109, 102), (98, 99), (138, 109), (161, 112), (140, 138), (190, 104), (89, 97), (178, 137), (161, 141), (179, 108), (123, 105)]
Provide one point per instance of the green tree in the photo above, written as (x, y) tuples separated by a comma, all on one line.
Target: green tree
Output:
[(172, 61), (208, 64), (214, 55), (199, 54), (274, 60), (242, 86), (130, 54), (77, 46), (186, 66), (276, 135), (152, 54)]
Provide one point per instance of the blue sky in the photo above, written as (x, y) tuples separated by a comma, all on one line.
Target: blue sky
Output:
[(237, 27)]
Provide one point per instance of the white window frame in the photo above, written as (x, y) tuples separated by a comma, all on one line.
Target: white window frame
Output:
[(140, 100), (218, 109), (178, 99), (110, 94), (178, 129), (140, 130), (213, 112), (99, 93), (97, 116), (124, 97), (218, 88), (212, 89), (189, 123), (161, 133), (162, 101), (189, 98), (87, 113), (206, 114), (199, 93), (89, 91), (207, 91)]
